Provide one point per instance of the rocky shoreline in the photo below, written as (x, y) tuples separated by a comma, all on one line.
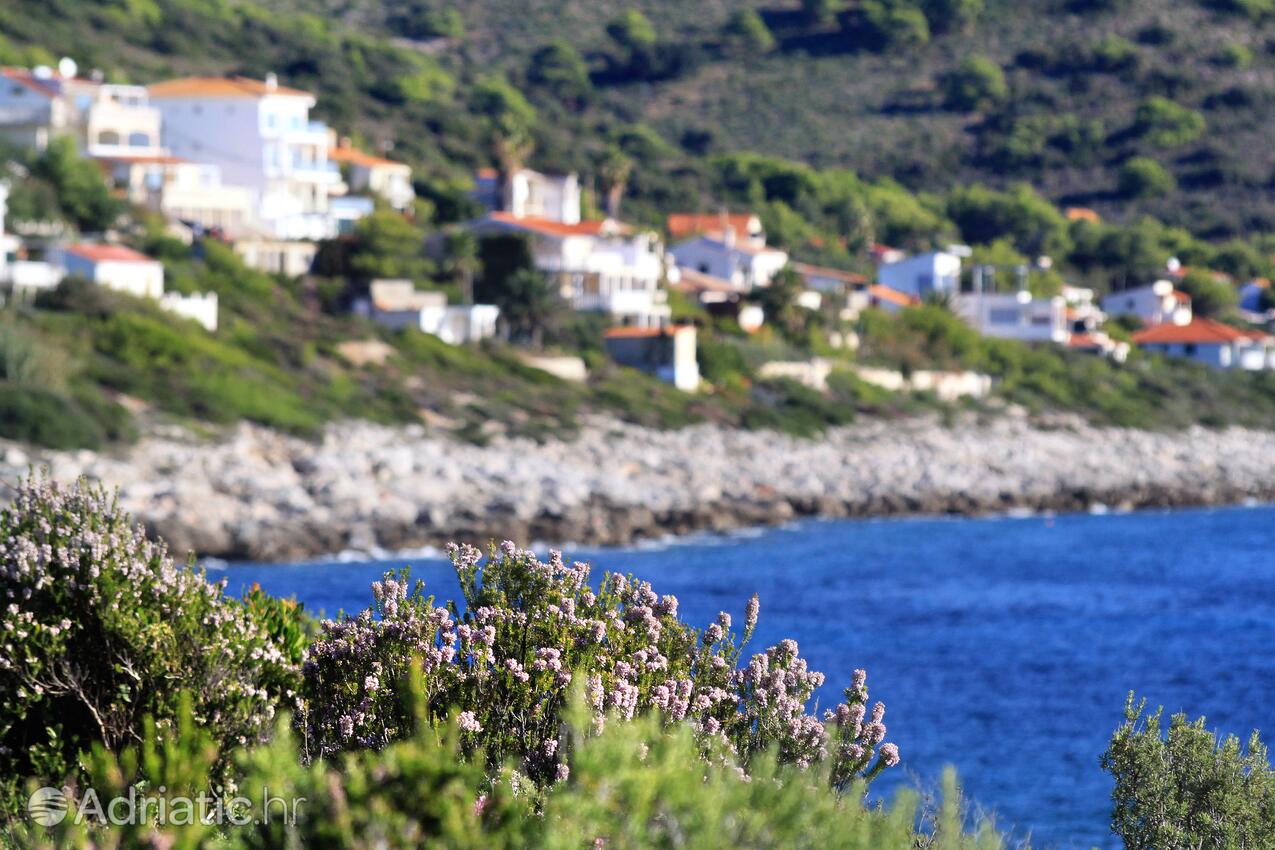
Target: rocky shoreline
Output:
[(255, 494)]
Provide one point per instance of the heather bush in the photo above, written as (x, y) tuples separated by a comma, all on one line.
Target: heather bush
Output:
[(529, 631), (1186, 788), (100, 629), (632, 785)]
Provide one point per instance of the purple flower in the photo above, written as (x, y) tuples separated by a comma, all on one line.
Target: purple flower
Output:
[(890, 754)]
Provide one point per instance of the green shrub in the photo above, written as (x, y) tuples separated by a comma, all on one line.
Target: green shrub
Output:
[(1143, 177), (103, 629), (977, 83), (1186, 788), (746, 33), (529, 631), (1164, 123)]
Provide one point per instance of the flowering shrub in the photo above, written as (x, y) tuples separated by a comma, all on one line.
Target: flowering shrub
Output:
[(529, 631), (99, 629)]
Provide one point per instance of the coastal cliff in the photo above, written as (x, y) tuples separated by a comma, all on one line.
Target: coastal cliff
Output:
[(255, 494)]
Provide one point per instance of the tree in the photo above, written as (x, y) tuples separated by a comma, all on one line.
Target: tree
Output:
[(559, 69), (1210, 297), (386, 245), (462, 261), (976, 83), (819, 12), (895, 23), (1143, 177), (1186, 788), (745, 32), (529, 303), (508, 122), (1164, 123), (615, 169), (946, 16), (632, 32), (779, 302), (1033, 224), (82, 192)]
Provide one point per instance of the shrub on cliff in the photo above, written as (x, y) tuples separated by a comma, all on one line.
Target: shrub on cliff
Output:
[(99, 629), (529, 631), (1187, 788)]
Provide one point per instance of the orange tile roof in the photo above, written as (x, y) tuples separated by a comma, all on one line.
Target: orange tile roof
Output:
[(143, 159), (1081, 214), (682, 225), (25, 78), (1202, 331), (219, 87), (487, 174), (549, 227), (628, 332), (894, 296), (108, 253), (1181, 297), (354, 156)]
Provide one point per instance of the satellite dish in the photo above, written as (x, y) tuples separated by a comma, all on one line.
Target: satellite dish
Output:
[(67, 67), (42, 72), (1174, 264)]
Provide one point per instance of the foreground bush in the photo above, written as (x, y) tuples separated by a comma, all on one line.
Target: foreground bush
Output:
[(633, 786), (530, 630), (1187, 789), (101, 629)]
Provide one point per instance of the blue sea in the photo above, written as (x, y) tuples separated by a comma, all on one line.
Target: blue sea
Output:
[(1003, 646)]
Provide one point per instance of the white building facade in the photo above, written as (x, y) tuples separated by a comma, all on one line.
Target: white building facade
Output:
[(934, 272), (1153, 304), (745, 265)]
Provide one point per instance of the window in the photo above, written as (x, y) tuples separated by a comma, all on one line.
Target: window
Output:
[(139, 140), (1189, 349), (197, 109), (270, 120), (17, 91), (1002, 316), (108, 137)]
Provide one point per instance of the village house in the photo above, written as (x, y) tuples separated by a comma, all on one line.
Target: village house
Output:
[(744, 263), (599, 266), (667, 353), (1153, 304), (923, 274), (398, 304), (374, 175), (180, 190), (887, 299), (1211, 343), (718, 297), (1015, 315), (41, 104), (276, 256), (114, 267), (260, 135)]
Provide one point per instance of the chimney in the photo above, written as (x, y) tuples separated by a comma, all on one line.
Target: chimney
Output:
[(728, 232), (272, 81)]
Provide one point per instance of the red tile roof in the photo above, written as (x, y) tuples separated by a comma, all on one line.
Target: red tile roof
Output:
[(634, 333), (682, 225), (549, 227), (354, 156), (1181, 297), (23, 77), (807, 270), (220, 87), (894, 296), (108, 253), (1199, 331)]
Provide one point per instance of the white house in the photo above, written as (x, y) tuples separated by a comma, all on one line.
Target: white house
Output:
[(21, 277), (599, 266), (374, 174), (1153, 304), (276, 256), (530, 194), (40, 104), (398, 304), (745, 264), (1015, 315), (113, 266), (667, 353), (922, 274), (1211, 343), (260, 135), (181, 190)]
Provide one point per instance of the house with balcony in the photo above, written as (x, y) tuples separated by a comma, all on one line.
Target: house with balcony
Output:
[(931, 273), (259, 134), (1154, 304), (181, 190), (1210, 342), (1015, 315), (374, 175), (40, 104)]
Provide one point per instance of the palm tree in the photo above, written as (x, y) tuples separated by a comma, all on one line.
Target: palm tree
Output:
[(615, 170), (462, 262)]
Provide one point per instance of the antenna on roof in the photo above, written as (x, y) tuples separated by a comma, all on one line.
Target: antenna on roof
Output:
[(67, 67)]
